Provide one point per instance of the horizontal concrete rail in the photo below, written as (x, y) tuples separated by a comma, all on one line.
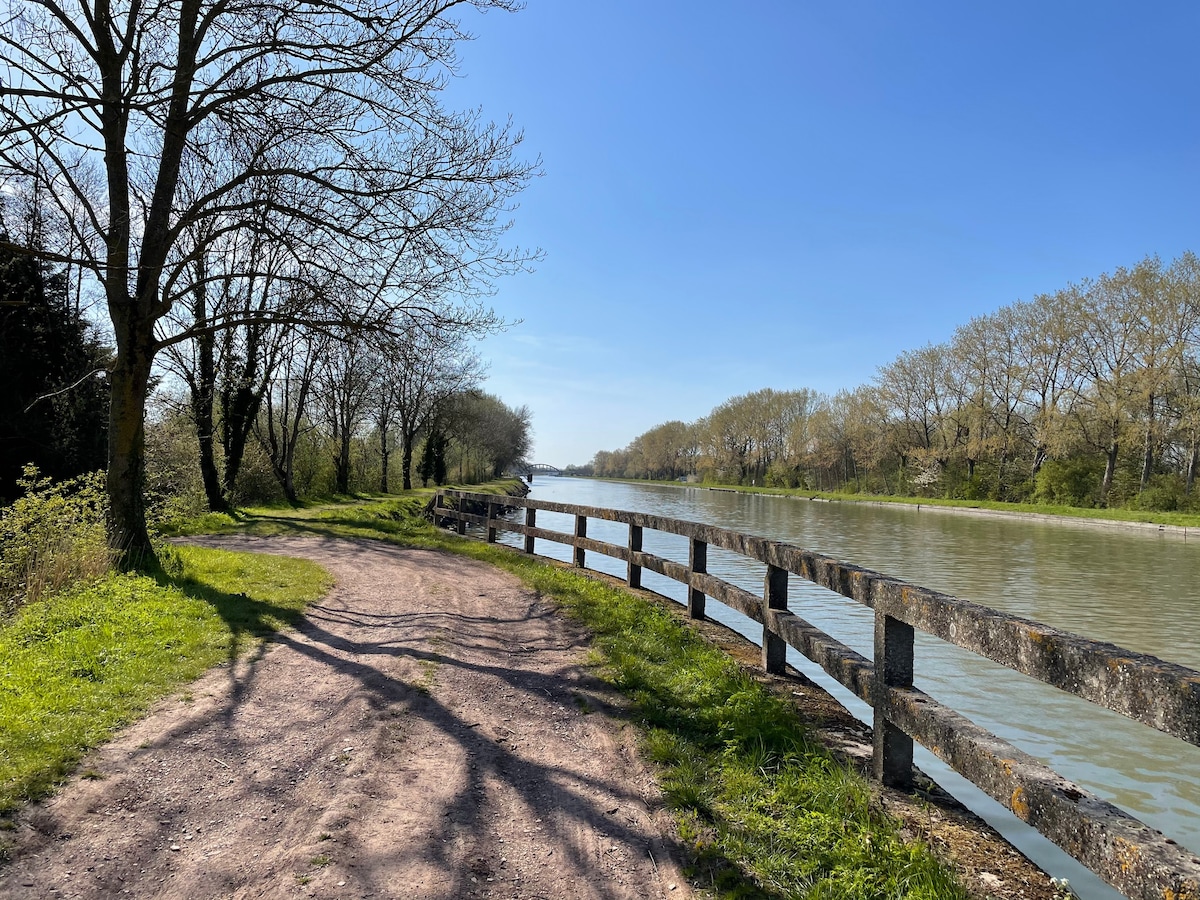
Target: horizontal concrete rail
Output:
[(1127, 853), (1145, 688)]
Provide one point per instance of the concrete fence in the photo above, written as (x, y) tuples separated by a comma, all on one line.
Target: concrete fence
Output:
[(1130, 855)]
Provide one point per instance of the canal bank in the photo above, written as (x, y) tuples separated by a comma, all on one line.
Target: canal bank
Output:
[(1184, 532), (1129, 588)]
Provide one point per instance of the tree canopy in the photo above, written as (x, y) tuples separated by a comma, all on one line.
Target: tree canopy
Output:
[(305, 143)]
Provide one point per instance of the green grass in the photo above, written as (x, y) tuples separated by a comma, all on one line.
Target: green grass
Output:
[(1181, 519), (766, 811), (76, 666)]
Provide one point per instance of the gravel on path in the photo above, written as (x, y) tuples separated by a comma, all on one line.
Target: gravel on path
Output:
[(429, 731)]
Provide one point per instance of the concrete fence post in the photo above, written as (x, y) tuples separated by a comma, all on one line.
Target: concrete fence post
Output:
[(530, 522), (775, 596), (493, 513), (893, 753), (580, 531), (697, 565), (634, 572)]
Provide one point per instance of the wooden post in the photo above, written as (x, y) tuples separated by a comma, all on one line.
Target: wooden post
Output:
[(493, 514), (775, 596), (698, 565), (580, 531), (458, 512), (893, 757), (530, 521), (634, 572)]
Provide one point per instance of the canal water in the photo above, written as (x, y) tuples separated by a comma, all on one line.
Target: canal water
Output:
[(1137, 589)]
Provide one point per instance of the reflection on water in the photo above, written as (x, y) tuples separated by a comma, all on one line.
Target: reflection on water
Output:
[(1132, 588)]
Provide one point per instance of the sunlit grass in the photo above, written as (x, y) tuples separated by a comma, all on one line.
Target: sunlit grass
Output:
[(765, 811), (76, 666)]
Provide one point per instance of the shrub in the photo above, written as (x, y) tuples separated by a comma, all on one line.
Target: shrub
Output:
[(1069, 482), (1163, 494), (51, 536)]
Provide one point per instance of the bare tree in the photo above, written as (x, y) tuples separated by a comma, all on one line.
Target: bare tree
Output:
[(418, 371), (343, 389), (284, 419), (333, 102)]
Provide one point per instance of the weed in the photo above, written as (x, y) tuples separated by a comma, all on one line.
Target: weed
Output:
[(50, 537)]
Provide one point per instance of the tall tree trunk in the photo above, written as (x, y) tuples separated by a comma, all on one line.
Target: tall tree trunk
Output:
[(407, 439), (129, 383), (202, 413), (203, 390), (1110, 467), (240, 405), (343, 463), (385, 455), (1039, 459), (1148, 449), (235, 432), (1193, 462)]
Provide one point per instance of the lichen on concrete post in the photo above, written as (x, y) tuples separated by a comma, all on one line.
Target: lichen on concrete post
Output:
[(493, 513), (775, 596), (530, 522), (634, 572), (580, 531), (893, 756), (697, 565)]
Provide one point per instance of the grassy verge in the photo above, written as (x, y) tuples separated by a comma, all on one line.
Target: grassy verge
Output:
[(78, 665), (1183, 520), (767, 812)]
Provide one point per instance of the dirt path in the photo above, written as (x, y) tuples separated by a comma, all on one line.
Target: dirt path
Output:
[(429, 732)]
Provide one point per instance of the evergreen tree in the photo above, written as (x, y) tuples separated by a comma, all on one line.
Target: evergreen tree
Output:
[(46, 348)]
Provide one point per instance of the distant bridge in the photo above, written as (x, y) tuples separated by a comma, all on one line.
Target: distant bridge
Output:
[(527, 470)]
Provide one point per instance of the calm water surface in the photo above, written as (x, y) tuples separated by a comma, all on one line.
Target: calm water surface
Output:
[(1135, 589)]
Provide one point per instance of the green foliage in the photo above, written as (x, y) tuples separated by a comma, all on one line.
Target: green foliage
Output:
[(1164, 493), (173, 486), (45, 348), (51, 536), (1068, 482), (78, 665)]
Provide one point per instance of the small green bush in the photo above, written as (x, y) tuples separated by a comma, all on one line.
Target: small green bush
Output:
[(1163, 494), (1069, 482), (51, 536)]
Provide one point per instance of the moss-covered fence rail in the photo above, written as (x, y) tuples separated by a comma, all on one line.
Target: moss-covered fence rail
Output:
[(1130, 855)]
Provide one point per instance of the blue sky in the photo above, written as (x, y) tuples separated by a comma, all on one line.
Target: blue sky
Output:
[(777, 193)]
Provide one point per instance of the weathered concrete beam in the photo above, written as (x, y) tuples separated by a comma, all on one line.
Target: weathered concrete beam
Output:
[(847, 666), (1128, 854)]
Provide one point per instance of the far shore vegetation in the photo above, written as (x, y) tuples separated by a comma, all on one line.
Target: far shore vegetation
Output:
[(1135, 516), (1087, 397)]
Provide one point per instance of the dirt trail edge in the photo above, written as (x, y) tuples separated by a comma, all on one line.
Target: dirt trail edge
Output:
[(428, 732)]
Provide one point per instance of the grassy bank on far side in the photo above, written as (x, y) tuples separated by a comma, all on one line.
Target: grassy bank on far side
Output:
[(765, 810), (1178, 519), (78, 665)]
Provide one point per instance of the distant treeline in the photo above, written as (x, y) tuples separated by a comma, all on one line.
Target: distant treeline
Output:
[(1088, 396)]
